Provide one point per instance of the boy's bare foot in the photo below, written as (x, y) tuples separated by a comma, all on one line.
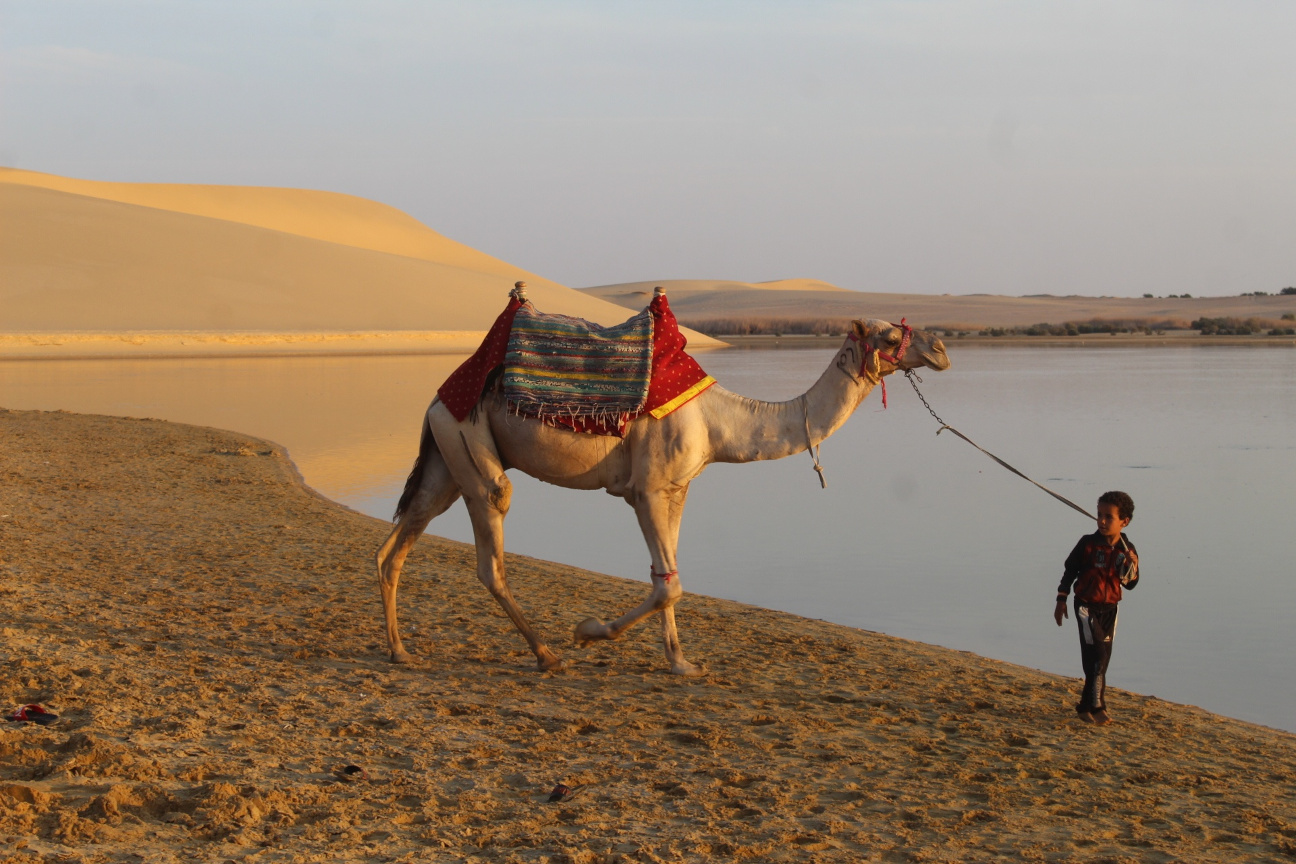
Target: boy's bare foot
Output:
[(1085, 716), (1100, 717)]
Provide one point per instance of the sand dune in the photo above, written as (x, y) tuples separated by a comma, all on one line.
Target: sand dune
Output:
[(210, 633), (696, 300), (81, 256), (328, 216)]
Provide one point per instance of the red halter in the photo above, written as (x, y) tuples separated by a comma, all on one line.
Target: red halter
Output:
[(893, 359)]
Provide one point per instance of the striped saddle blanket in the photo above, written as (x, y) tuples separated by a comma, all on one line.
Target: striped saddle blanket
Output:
[(570, 373), (569, 369)]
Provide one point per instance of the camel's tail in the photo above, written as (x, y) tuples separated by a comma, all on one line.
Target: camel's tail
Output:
[(427, 443)]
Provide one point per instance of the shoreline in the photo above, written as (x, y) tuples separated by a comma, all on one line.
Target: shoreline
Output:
[(184, 345), (208, 628), (174, 345)]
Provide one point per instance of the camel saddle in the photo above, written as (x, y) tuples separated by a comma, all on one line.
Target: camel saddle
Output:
[(575, 374)]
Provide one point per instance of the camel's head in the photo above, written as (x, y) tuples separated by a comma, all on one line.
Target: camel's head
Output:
[(887, 347)]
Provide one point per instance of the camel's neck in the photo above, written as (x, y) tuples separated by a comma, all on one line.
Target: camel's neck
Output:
[(748, 430)]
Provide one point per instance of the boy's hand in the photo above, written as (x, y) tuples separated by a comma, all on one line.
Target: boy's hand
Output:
[(1060, 611)]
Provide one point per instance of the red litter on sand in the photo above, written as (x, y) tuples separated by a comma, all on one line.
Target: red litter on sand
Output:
[(562, 792), (33, 714)]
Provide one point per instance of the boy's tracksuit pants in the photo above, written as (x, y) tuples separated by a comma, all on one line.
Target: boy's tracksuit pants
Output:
[(1097, 623)]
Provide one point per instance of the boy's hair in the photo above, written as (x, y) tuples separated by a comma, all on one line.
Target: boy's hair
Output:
[(1123, 503)]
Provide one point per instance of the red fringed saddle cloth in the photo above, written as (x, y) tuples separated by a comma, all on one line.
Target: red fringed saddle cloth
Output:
[(675, 377)]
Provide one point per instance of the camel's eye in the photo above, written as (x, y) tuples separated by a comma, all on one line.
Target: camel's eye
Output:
[(893, 339)]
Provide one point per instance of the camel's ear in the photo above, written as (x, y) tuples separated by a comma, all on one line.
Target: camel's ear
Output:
[(861, 331)]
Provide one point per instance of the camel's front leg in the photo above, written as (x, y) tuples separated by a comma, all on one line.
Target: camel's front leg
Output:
[(659, 518), (488, 530)]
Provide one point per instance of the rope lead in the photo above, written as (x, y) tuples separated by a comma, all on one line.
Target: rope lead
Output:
[(810, 445), (911, 375)]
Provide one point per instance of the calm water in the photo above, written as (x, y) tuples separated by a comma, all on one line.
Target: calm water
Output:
[(916, 535)]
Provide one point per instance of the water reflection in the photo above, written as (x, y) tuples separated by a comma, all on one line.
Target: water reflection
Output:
[(351, 424), (916, 535)]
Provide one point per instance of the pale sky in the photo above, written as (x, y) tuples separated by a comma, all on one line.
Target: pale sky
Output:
[(937, 147)]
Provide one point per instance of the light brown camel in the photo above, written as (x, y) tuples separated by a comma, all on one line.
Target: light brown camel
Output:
[(651, 468)]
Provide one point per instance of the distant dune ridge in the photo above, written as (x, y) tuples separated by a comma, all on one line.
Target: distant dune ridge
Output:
[(693, 286), (697, 302), (81, 256)]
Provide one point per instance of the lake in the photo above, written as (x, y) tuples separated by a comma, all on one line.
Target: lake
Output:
[(917, 535)]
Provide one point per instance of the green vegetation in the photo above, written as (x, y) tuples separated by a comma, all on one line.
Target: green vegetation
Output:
[(1147, 326), (1242, 326), (756, 326), (1232, 326), (753, 326)]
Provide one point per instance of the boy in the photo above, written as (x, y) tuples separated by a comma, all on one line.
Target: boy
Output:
[(1098, 566)]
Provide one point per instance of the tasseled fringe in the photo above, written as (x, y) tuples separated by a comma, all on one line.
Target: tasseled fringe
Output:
[(554, 415)]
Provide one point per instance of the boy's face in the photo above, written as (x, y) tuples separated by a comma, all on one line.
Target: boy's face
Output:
[(1110, 523)]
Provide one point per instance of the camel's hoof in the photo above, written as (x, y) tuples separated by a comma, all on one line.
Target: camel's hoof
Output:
[(402, 656), (687, 669), (551, 663), (590, 630)]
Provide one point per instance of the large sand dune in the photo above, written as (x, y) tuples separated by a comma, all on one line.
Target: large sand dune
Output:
[(80, 257), (329, 216)]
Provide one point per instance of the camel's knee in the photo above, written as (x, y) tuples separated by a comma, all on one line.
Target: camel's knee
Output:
[(496, 494), (666, 591), (499, 494)]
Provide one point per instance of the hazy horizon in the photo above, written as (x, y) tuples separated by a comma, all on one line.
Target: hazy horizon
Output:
[(942, 147)]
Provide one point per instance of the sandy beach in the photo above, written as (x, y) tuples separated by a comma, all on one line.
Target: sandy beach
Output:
[(208, 629)]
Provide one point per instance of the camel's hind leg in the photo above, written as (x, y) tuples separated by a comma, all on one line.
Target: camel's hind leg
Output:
[(659, 515), (429, 491), (475, 464)]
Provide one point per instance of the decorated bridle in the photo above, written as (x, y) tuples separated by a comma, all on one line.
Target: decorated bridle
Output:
[(862, 375), (893, 359)]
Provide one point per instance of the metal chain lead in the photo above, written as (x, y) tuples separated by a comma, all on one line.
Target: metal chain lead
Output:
[(914, 381)]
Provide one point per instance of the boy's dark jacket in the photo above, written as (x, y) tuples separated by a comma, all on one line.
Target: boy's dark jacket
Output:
[(1095, 568)]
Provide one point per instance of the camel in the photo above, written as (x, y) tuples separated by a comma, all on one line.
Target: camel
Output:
[(650, 467)]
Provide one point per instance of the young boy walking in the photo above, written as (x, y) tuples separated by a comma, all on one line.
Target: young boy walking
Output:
[(1099, 566)]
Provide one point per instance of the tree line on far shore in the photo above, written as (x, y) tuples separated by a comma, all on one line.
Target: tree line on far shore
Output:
[(1227, 326), (753, 325)]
